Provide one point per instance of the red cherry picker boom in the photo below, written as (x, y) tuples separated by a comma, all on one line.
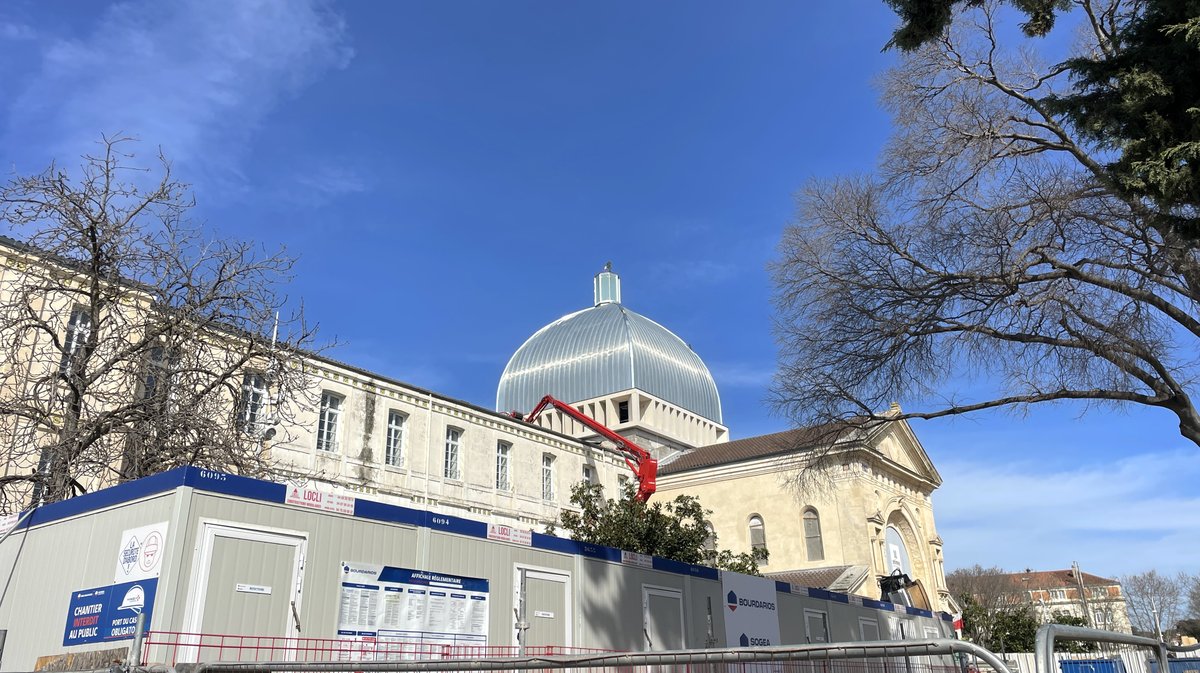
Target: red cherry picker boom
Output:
[(644, 466)]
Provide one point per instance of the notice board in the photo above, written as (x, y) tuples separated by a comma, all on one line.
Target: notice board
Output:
[(388, 605)]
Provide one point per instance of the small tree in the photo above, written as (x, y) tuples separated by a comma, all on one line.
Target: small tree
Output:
[(985, 595), (1154, 599), (1193, 597), (135, 342), (1188, 627), (678, 529), (1068, 619)]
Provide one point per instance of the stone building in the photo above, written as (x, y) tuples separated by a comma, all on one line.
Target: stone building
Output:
[(869, 514), (1096, 599), (866, 512), (353, 430), (362, 432)]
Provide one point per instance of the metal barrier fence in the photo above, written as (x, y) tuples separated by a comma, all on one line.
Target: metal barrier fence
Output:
[(912, 656), (171, 647), (1084, 650), (1096, 650)]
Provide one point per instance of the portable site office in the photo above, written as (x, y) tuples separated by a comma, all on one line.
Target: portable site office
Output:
[(204, 552)]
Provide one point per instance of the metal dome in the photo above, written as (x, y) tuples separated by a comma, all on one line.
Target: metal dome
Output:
[(606, 349)]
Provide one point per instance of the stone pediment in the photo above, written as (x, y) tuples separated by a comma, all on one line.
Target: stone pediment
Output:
[(896, 442)]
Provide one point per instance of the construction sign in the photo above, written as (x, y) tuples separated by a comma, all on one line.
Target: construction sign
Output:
[(751, 611)]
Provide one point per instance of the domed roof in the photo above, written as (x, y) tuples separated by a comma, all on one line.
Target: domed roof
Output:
[(606, 349)]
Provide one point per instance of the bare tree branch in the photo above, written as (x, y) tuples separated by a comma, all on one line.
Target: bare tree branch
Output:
[(990, 251), (131, 336)]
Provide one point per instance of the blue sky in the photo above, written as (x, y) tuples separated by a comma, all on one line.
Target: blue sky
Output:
[(451, 175)]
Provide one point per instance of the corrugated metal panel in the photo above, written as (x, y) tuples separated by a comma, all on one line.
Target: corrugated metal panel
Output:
[(603, 350), (331, 540), (494, 562), (610, 599), (234, 562), (56, 560), (80, 552)]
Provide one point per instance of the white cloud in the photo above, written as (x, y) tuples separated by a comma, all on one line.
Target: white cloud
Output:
[(741, 374), (701, 272), (196, 77), (322, 183), (16, 31), (1114, 517)]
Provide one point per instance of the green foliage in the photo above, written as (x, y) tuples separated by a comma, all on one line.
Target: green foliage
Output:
[(1068, 619), (1138, 95), (1013, 627), (1142, 99), (1009, 628), (1188, 627), (677, 529), (923, 21)]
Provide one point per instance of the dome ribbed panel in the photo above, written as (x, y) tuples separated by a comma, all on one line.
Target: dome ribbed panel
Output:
[(665, 367), (603, 350)]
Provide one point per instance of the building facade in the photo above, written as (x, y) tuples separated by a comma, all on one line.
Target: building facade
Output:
[(401, 444), (348, 429), (356, 431), (1072, 592), (862, 511), (869, 514)]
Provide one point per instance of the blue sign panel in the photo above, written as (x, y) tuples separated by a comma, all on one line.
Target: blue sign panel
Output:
[(108, 613)]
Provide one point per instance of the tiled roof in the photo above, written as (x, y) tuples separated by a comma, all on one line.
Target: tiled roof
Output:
[(1054, 579), (779, 443)]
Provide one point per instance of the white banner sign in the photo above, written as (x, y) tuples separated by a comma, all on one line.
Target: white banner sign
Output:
[(751, 612), (140, 555), (634, 559), (314, 499), (510, 534)]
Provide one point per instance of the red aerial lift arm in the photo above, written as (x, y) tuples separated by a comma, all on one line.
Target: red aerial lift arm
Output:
[(644, 466)]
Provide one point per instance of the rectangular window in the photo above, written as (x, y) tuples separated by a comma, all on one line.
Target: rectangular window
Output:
[(254, 397), (547, 476), (622, 482), (623, 411), (158, 373), (78, 329), (450, 470), (589, 474), (1058, 594), (503, 471), (393, 451), (327, 426)]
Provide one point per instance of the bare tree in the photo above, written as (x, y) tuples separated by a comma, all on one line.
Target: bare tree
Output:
[(987, 598), (134, 343), (1193, 597), (1154, 600), (990, 251)]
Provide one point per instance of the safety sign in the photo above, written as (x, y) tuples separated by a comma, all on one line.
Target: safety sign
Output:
[(108, 613), (141, 552)]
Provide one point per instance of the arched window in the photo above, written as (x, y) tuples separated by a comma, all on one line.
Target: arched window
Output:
[(758, 534), (812, 535)]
